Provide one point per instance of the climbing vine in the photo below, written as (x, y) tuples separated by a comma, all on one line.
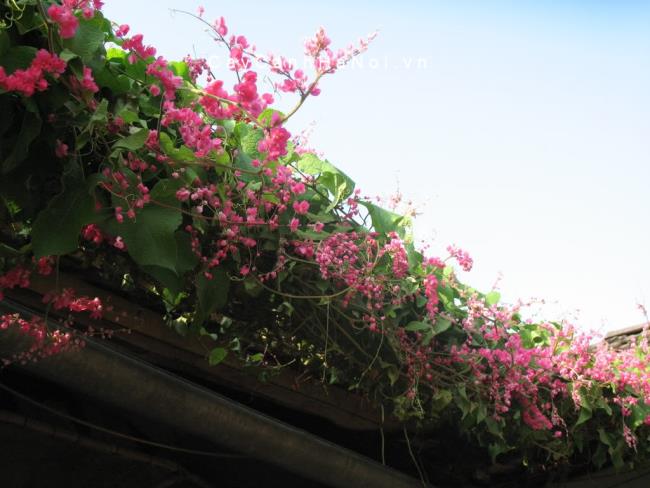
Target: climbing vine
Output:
[(191, 194)]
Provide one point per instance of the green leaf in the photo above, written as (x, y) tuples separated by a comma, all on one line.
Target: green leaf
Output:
[(89, 38), (312, 165), (117, 83), (165, 277), (4, 42), (384, 221), (414, 256), (101, 112), (494, 427), (17, 57), (116, 54), (393, 374), (133, 142), (256, 358), (335, 181), (492, 298), (461, 400), (266, 117), (250, 141), (217, 355), (150, 238), (29, 20), (441, 325), (8, 251), (66, 55), (599, 458), (497, 448), (605, 437), (418, 326), (57, 228), (211, 294), (640, 412), (253, 287), (585, 414), (481, 413), (312, 235), (586, 407), (183, 153), (29, 130), (180, 69), (440, 399), (186, 260), (127, 115)]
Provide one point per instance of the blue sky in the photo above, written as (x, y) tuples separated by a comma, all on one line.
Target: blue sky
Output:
[(521, 129)]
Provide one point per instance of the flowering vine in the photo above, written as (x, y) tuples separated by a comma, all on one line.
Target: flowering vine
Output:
[(197, 197)]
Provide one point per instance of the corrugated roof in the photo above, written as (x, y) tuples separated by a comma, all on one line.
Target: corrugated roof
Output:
[(623, 338)]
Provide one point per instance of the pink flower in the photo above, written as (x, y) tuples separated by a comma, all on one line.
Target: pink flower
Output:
[(119, 243), (30, 80), (431, 293), (61, 149), (63, 15), (196, 134), (197, 66), (301, 207), (88, 82), (533, 417), (118, 215), (183, 195), (275, 143), (220, 27), (92, 233), (462, 257), (17, 277), (170, 82), (298, 188), (152, 140), (122, 30), (44, 265), (293, 225), (247, 96), (315, 45), (135, 45)]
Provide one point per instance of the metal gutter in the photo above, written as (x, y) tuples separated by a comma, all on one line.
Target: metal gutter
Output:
[(140, 388)]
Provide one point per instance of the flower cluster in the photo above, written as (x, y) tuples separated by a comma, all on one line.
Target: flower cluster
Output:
[(67, 300), (42, 341), (64, 15), (33, 79), (17, 277), (464, 259)]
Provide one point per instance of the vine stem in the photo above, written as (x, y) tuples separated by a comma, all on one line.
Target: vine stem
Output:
[(374, 358), (248, 115), (50, 38), (211, 27), (304, 297), (417, 465), (383, 439), (327, 336), (304, 96)]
